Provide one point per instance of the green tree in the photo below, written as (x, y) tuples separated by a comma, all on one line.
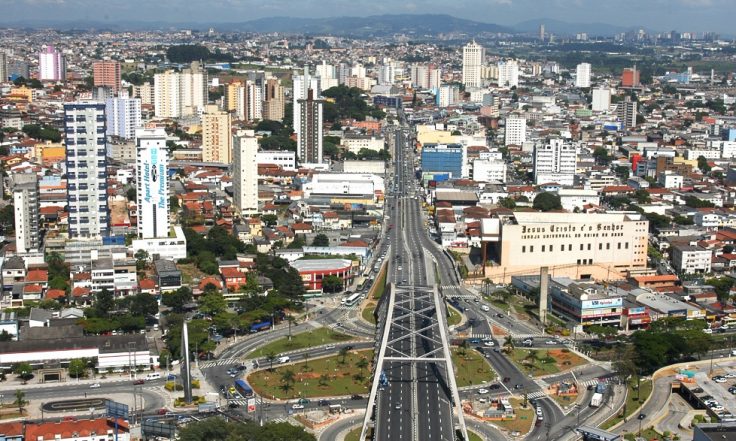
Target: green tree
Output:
[(20, 400), (270, 358), (287, 380), (547, 201), (601, 155), (5, 336), (332, 283), (77, 368), (343, 353), (143, 304), (269, 219), (703, 164), (507, 203), (141, 259), (642, 196), (24, 371), (104, 303), (217, 429), (321, 240), (177, 299), (213, 303), (132, 194)]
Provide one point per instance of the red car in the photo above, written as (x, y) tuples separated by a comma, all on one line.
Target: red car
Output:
[(162, 411), (139, 381)]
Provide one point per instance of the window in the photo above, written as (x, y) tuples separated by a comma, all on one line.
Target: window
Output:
[(551, 248), (531, 248), (619, 245), (608, 246), (626, 245), (569, 247), (600, 246), (543, 247), (523, 249), (581, 247)]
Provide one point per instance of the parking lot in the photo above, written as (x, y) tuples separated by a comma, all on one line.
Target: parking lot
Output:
[(714, 390)]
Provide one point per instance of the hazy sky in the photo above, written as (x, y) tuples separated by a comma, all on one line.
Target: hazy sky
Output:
[(683, 15)]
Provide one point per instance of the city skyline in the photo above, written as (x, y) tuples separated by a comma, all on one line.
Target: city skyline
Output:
[(659, 15)]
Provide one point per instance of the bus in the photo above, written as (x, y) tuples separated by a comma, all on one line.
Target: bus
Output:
[(352, 300), (243, 388)]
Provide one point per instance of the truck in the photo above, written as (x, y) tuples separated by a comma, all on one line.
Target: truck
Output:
[(596, 400), (262, 326), (207, 408)]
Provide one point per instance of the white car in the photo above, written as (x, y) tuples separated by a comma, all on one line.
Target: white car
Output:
[(297, 406), (488, 343), (483, 391), (730, 375), (719, 379), (550, 342), (94, 386)]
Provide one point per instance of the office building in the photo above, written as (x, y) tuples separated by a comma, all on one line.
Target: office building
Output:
[(283, 158), (123, 116), (626, 112), (245, 173), (179, 94), (601, 99), (582, 77), (86, 165), (26, 206), (541, 32), (273, 100), (630, 77), (152, 183), (300, 85), (489, 170), (555, 161), (216, 135), (508, 73), (309, 137), (473, 57), (107, 74), (51, 65), (515, 131), (448, 158)]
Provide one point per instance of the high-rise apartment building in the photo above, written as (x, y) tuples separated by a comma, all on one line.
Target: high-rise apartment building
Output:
[(300, 85), (630, 77), (123, 116), (216, 136), (508, 73), (254, 98), (448, 95), (51, 65), (26, 206), (582, 77), (245, 173), (555, 161), (309, 137), (601, 99), (107, 73), (515, 131), (473, 56), (3, 67), (178, 94), (86, 164), (425, 76), (152, 188), (145, 92), (273, 100), (626, 111)]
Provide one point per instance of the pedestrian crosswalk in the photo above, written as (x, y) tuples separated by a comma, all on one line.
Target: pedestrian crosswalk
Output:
[(481, 336), (456, 287), (536, 394), (594, 381), (238, 402), (223, 362)]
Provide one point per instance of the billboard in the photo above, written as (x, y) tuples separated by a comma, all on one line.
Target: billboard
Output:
[(613, 302), (251, 405)]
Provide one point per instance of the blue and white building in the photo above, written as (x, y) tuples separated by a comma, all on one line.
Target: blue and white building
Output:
[(152, 183)]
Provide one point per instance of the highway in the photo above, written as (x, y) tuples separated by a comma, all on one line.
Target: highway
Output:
[(416, 403)]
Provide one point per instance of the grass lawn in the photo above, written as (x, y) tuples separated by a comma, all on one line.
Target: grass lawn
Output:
[(632, 403), (647, 433), (380, 286), (547, 361), (564, 400), (471, 369), (472, 436), (524, 418), (454, 317), (340, 379), (368, 313), (303, 340), (353, 435)]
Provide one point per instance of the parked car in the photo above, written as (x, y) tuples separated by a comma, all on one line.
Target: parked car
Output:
[(94, 386)]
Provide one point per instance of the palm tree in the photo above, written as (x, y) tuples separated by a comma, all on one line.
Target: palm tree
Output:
[(532, 355), (270, 358), (323, 379), (343, 353), (362, 364), (287, 378), (306, 361), (289, 319), (20, 400), (486, 285)]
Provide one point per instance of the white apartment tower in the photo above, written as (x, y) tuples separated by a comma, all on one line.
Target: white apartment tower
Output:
[(216, 135), (123, 116), (309, 137), (180, 94), (152, 183), (626, 111), (508, 73), (473, 56), (515, 131), (26, 206), (425, 76), (86, 165), (555, 161), (601, 99), (582, 77), (245, 173)]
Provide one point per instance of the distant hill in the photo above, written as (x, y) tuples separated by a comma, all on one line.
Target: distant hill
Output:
[(424, 24), (563, 28), (376, 25)]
